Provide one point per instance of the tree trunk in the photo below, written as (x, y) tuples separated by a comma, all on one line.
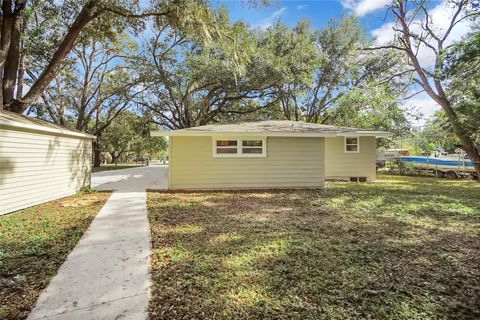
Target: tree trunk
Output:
[(474, 156), (468, 144), (6, 29), (97, 154), (21, 74), (114, 157), (6, 34), (87, 14), (10, 67)]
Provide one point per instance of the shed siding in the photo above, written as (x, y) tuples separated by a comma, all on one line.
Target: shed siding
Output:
[(38, 167), (290, 163), (341, 165)]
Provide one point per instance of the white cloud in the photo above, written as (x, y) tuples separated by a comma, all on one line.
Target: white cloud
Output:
[(363, 7), (441, 16), (423, 103), (301, 6), (384, 34), (267, 22)]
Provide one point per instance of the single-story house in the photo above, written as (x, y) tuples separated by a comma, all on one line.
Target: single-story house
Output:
[(268, 154), (40, 161)]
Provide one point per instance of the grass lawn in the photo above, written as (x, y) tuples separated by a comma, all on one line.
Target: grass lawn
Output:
[(34, 242), (108, 167), (402, 248)]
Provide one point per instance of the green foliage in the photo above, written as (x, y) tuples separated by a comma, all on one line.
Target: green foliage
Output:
[(47, 22), (290, 54), (50, 29), (130, 135), (87, 190), (373, 107), (197, 20), (330, 69), (94, 85), (190, 83), (199, 68), (437, 134), (295, 73), (334, 66), (110, 167), (462, 78)]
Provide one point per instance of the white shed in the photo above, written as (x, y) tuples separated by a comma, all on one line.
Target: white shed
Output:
[(40, 161)]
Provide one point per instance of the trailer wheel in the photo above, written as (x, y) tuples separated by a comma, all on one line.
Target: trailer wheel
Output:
[(439, 174), (474, 175), (451, 175), (380, 164)]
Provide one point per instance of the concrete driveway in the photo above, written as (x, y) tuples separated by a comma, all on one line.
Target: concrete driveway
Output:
[(134, 179)]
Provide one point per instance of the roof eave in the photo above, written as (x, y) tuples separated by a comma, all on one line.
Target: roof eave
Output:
[(19, 125), (378, 134)]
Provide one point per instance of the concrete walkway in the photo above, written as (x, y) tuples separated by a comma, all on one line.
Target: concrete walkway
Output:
[(106, 275)]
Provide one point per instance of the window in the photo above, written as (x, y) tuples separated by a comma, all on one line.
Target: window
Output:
[(352, 145), (251, 147), (226, 146)]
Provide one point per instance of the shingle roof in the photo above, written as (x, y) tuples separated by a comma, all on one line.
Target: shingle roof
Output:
[(11, 119), (271, 128)]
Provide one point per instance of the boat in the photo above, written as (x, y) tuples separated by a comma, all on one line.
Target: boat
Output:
[(451, 165)]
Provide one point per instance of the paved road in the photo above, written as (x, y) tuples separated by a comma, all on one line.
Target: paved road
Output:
[(152, 177), (106, 275)]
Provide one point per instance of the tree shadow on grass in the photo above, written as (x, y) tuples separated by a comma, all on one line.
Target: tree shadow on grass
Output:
[(338, 253)]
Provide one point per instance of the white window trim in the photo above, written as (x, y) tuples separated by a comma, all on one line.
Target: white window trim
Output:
[(345, 144), (239, 153)]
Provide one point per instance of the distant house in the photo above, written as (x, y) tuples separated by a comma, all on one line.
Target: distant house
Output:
[(40, 161), (269, 154)]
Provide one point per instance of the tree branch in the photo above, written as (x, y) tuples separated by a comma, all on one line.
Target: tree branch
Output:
[(128, 14)]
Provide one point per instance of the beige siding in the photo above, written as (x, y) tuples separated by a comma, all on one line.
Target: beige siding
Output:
[(290, 163), (341, 165), (38, 167)]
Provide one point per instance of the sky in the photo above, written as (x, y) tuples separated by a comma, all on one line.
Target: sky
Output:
[(290, 12), (371, 14)]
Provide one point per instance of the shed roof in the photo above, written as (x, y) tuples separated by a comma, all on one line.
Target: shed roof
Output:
[(284, 128), (18, 121)]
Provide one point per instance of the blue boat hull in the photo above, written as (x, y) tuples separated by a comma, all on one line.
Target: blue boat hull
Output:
[(438, 163)]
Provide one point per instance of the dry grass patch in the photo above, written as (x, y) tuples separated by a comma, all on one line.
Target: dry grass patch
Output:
[(402, 248), (34, 242)]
